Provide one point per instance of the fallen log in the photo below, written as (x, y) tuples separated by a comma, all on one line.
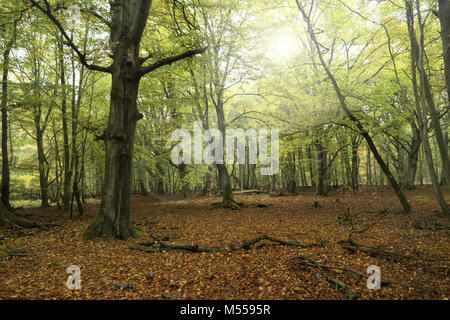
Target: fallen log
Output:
[(246, 245)]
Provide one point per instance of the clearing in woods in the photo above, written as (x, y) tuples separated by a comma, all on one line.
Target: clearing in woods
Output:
[(294, 237)]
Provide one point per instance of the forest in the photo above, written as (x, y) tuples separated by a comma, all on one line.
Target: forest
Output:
[(225, 149)]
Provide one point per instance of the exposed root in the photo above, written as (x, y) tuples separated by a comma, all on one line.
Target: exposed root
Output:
[(231, 204), (9, 218), (103, 227)]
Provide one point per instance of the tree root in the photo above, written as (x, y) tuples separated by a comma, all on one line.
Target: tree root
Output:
[(9, 218), (246, 245), (233, 205)]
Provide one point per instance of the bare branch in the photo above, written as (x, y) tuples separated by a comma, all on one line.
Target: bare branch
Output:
[(47, 11), (170, 60)]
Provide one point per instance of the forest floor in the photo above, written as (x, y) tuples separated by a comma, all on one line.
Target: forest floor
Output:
[(33, 262)]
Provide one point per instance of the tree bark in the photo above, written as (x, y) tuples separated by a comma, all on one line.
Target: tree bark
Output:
[(321, 157), (5, 184), (66, 147), (444, 18), (355, 163), (413, 158)]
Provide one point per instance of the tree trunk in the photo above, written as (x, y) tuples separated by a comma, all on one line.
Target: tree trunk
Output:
[(5, 158), (302, 168), (208, 182), (66, 147), (114, 217), (355, 164), (43, 171), (292, 174), (413, 157), (369, 168), (224, 177), (320, 169), (311, 167), (444, 18)]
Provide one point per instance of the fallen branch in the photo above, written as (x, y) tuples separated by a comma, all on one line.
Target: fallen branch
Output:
[(118, 285), (377, 251), (17, 253), (160, 246)]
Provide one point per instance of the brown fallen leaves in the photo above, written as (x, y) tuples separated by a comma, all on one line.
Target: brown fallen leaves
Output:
[(33, 262)]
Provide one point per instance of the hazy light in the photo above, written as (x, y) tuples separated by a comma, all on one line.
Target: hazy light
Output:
[(283, 46)]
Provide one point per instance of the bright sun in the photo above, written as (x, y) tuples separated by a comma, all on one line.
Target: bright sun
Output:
[(283, 46)]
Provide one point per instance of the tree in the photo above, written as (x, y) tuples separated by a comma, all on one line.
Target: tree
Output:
[(5, 183), (129, 18), (444, 18), (306, 17)]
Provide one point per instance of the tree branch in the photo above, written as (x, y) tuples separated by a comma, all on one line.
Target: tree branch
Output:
[(170, 60), (82, 57)]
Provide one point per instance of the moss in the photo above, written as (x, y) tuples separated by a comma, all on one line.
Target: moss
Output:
[(104, 227)]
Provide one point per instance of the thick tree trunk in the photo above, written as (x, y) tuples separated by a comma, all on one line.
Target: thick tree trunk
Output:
[(224, 177), (114, 217), (228, 199), (129, 20)]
